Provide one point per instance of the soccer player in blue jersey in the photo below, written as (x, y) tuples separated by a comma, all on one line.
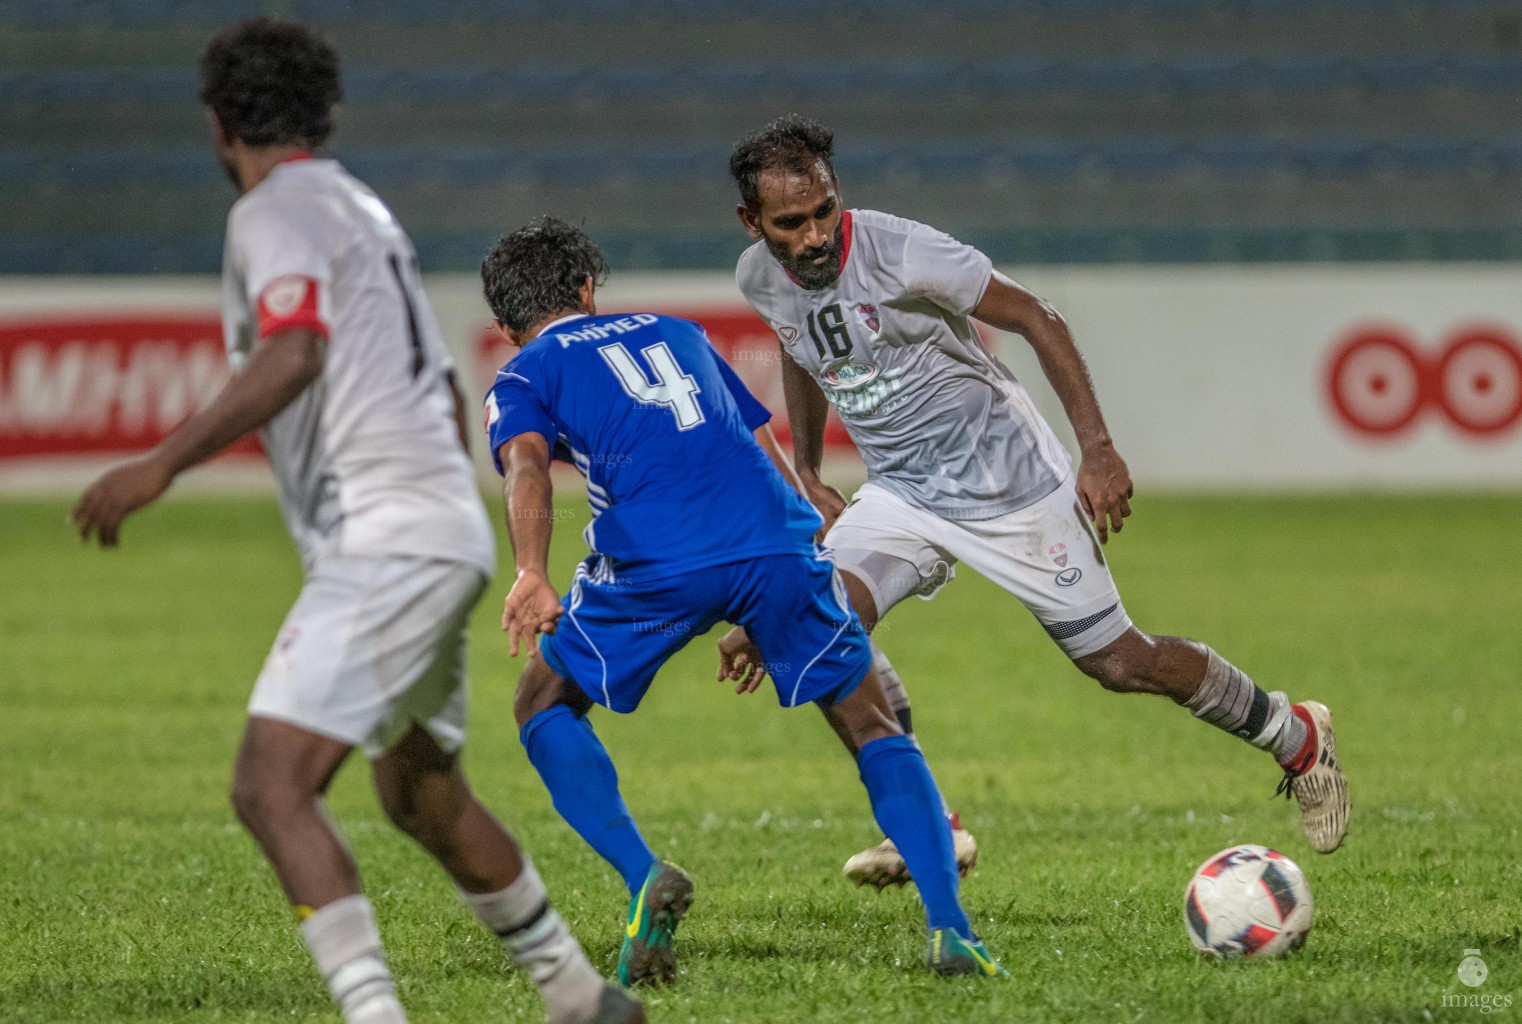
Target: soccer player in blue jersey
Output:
[(652, 416)]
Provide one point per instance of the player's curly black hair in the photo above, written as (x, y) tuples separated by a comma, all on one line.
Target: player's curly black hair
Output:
[(271, 82), (792, 143), (538, 270)]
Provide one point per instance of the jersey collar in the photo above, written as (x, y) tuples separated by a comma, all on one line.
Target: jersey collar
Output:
[(547, 328), (845, 249)]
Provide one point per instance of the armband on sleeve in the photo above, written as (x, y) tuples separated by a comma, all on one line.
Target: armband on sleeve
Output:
[(291, 301)]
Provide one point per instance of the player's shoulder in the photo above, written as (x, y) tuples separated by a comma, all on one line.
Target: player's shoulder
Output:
[(756, 271), (877, 223), (292, 196), (909, 247), (888, 234), (682, 326)]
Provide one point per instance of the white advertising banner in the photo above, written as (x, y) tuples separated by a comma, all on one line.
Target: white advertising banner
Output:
[(1324, 378), (1319, 377)]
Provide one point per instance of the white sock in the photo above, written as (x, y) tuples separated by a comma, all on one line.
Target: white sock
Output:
[(346, 944), (537, 937), (893, 688), (1229, 700)]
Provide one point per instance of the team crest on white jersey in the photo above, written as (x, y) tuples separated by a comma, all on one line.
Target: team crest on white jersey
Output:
[(867, 314), (284, 294), (1058, 554)]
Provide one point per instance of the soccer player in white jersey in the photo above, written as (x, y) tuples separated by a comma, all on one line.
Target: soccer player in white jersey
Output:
[(874, 314), (339, 361)]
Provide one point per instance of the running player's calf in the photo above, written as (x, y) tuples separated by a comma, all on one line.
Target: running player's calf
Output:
[(882, 865), (1299, 736), (908, 807), (583, 785), (425, 794)]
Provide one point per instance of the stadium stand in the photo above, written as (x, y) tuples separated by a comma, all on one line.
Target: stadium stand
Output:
[(1088, 130)]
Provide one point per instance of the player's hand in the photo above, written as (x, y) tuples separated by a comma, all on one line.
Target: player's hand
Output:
[(1104, 487), (827, 501), (740, 661), (116, 495), (532, 607)]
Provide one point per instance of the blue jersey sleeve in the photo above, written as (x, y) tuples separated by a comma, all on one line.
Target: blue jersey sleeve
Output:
[(751, 411), (514, 407)]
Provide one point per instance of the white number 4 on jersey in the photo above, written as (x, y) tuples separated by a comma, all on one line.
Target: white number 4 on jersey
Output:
[(674, 389)]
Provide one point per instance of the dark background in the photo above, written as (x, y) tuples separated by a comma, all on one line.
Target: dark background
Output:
[(1044, 131)]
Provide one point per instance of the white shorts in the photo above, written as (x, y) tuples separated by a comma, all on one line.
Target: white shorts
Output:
[(372, 647), (1045, 554)]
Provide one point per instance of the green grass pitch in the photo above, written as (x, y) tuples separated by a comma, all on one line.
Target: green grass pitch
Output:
[(128, 892)]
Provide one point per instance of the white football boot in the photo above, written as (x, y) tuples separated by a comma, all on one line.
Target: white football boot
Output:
[(882, 866), (1316, 780)]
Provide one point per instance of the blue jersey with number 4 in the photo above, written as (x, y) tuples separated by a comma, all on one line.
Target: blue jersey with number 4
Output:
[(662, 429)]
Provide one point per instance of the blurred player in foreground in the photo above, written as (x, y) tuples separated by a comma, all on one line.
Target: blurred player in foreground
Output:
[(874, 317), (339, 360), (693, 524)]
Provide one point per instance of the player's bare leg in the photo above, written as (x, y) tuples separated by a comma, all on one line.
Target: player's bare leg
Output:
[(281, 774), (1298, 735), (882, 865), (908, 806), (426, 795)]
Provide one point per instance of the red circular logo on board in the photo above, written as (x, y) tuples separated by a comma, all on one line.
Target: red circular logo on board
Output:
[(1380, 381)]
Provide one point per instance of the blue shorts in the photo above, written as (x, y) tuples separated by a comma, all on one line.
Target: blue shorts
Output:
[(616, 634)]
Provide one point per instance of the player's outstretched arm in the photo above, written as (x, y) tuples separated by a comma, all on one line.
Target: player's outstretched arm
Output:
[(532, 606), (282, 367), (807, 410), (1104, 482)]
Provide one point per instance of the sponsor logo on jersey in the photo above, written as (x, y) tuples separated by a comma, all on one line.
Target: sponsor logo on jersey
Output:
[(864, 396), (850, 375), (867, 314), (787, 334), (1059, 554), (1069, 576), (493, 414)]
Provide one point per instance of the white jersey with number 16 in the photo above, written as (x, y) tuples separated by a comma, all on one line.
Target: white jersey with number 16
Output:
[(939, 421)]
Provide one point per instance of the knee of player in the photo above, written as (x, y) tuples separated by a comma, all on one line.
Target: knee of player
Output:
[(541, 689), (538, 690), (1116, 674), (253, 800), (404, 813), (263, 795)]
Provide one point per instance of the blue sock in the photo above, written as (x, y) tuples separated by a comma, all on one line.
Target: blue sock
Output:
[(908, 806), (583, 784)]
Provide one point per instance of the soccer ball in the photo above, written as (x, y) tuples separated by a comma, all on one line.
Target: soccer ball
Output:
[(1247, 901)]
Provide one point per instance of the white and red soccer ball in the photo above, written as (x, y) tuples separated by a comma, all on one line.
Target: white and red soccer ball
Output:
[(1247, 901)]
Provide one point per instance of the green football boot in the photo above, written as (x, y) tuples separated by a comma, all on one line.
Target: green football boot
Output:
[(648, 953), (950, 954)]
